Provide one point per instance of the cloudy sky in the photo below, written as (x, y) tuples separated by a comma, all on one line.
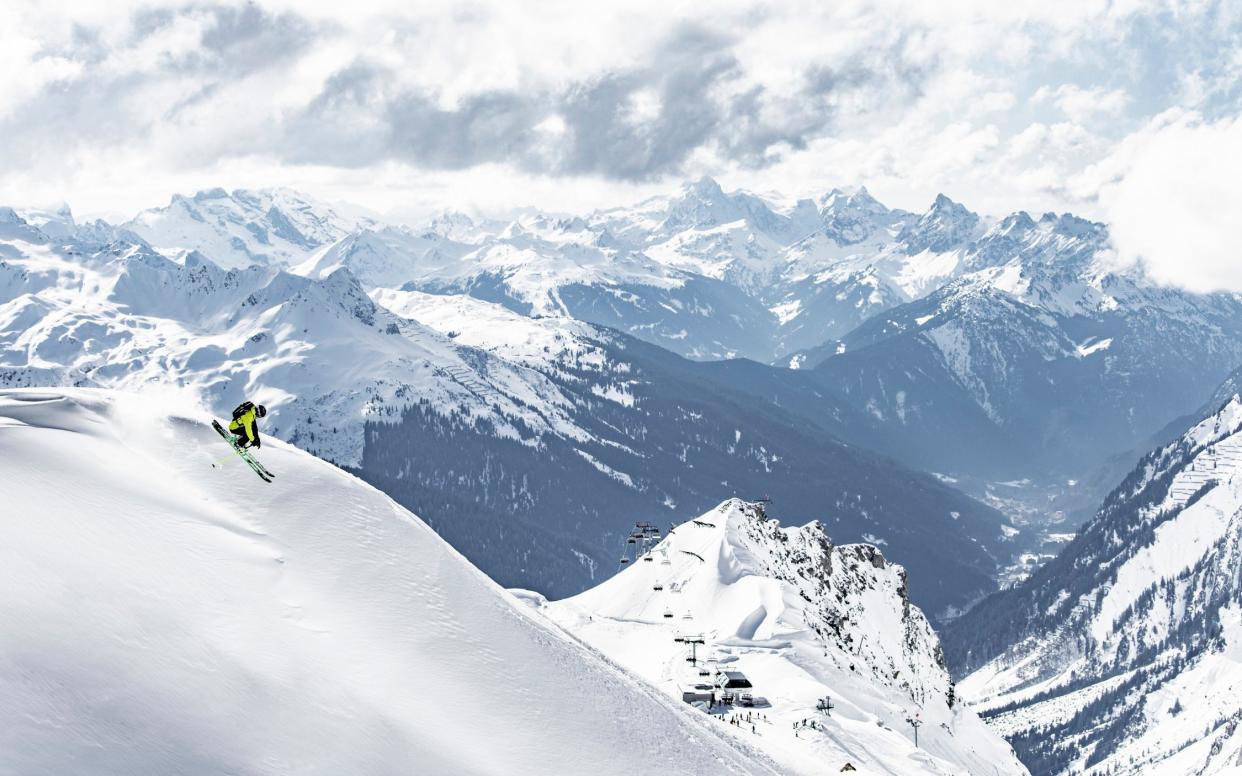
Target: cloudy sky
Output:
[(1126, 111)]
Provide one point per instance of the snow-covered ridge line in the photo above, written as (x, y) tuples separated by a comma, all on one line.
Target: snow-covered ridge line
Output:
[(1125, 649), (644, 255)]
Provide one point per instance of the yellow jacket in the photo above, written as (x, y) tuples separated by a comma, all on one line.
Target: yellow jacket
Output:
[(247, 422)]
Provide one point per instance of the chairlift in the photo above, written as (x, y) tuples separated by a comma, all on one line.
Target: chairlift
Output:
[(668, 614), (657, 587), (648, 558), (624, 560), (687, 616)]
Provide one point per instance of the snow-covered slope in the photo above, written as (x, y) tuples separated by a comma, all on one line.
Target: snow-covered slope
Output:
[(162, 616), (801, 619), (558, 344), (1124, 654)]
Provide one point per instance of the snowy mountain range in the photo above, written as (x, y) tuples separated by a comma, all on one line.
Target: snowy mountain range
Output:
[(980, 349), (268, 227), (528, 442), (801, 620), (1124, 654), (533, 387), (158, 618), (984, 347)]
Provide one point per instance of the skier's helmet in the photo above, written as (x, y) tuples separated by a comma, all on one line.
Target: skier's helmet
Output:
[(261, 411)]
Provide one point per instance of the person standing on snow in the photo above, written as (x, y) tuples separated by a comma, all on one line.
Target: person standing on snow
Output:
[(245, 424)]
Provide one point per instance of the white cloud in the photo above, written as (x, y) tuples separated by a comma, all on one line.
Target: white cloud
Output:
[(1172, 194), (1082, 105), (492, 104)]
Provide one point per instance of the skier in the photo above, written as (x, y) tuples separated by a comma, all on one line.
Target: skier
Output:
[(245, 424)]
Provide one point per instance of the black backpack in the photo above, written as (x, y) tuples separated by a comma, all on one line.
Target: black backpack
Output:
[(242, 409)]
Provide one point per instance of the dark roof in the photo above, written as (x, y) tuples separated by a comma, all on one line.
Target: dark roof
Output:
[(734, 680)]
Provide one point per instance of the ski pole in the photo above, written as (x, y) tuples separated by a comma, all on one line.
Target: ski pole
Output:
[(220, 463)]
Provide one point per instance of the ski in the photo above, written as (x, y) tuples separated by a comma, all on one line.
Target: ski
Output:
[(250, 460)]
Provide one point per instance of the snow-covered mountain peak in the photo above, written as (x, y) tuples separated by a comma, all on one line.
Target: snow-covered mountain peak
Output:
[(1071, 226), (1014, 223), (454, 225), (822, 589), (341, 288), (1063, 259), (801, 619), (945, 225), (56, 221), (705, 188), (704, 205), (701, 203), (851, 198), (13, 226), (851, 216), (265, 226)]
